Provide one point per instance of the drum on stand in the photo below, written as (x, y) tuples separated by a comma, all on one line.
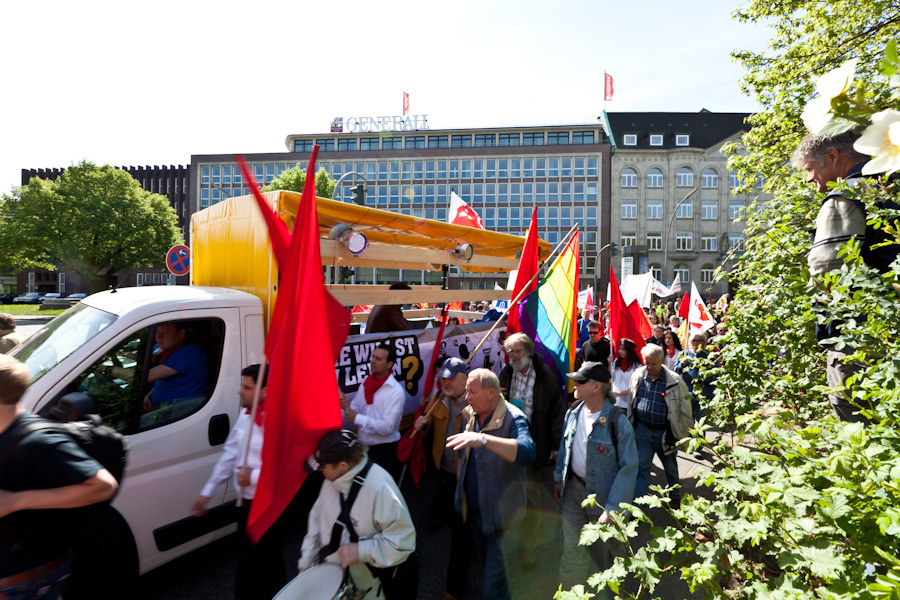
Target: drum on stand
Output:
[(321, 582)]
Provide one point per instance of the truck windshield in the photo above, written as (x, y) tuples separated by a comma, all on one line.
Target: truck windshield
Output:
[(62, 336)]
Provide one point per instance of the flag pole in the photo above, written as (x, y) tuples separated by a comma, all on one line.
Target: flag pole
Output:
[(259, 379)]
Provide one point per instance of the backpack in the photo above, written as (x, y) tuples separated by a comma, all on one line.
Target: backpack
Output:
[(612, 420)]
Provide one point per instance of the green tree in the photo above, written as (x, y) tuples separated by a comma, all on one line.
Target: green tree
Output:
[(294, 179), (94, 221)]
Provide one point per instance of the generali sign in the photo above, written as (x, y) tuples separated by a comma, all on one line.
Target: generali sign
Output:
[(379, 124)]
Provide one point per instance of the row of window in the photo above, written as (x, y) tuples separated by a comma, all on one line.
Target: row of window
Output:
[(684, 273), (709, 209), (419, 142), (491, 168), (656, 139), (684, 177), (684, 241)]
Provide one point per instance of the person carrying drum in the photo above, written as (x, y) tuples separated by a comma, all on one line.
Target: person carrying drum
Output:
[(360, 519)]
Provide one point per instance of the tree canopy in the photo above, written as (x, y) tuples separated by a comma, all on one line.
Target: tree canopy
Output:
[(294, 178), (92, 220)]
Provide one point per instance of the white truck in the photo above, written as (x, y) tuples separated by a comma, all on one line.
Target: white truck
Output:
[(101, 350)]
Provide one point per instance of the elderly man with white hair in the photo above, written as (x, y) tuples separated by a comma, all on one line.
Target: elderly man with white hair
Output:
[(660, 409)]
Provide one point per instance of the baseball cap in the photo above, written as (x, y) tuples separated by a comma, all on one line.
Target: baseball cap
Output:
[(451, 367), (591, 370), (334, 447)]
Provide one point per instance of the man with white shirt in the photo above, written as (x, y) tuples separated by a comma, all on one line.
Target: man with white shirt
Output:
[(377, 408), (597, 455), (261, 568)]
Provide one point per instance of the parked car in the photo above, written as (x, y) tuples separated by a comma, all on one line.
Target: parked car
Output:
[(7, 298), (51, 296), (29, 298), (78, 296)]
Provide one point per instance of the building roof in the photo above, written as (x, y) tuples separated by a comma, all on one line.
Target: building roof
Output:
[(706, 129)]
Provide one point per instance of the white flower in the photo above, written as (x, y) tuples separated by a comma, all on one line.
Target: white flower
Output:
[(881, 141), (835, 83)]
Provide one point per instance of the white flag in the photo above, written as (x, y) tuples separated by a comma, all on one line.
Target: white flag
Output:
[(499, 305), (586, 299), (462, 214), (676, 285), (699, 317)]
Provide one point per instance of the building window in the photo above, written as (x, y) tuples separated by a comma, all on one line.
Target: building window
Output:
[(438, 141), (654, 209), (656, 139), (532, 139), (736, 210), (709, 210), (706, 274), (326, 145), (736, 241), (417, 141), (629, 239), (582, 137), (204, 175), (684, 240), (629, 139), (368, 143), (461, 141), (558, 138), (710, 179), (509, 139), (708, 242), (734, 181), (629, 178), (303, 145), (682, 273), (346, 144), (484, 140), (392, 143), (682, 139), (654, 179), (684, 177), (685, 209), (654, 241), (657, 271), (629, 209)]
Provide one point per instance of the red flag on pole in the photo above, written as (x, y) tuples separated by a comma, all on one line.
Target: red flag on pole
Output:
[(302, 402), (685, 306), (621, 322), (640, 320), (405, 103), (463, 214), (528, 266), (607, 86)]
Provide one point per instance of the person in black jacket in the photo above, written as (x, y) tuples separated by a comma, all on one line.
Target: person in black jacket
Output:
[(529, 385)]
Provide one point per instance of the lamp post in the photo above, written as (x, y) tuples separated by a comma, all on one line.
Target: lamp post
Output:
[(596, 265), (669, 229), (338, 183)]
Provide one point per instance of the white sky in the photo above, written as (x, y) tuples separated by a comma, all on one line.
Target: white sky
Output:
[(150, 83)]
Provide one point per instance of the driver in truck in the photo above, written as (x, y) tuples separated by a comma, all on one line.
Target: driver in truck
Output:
[(182, 370)]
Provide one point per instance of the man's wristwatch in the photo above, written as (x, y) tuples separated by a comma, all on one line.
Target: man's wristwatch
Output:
[(483, 441)]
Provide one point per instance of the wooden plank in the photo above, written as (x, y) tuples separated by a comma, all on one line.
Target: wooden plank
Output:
[(352, 295), (387, 255)]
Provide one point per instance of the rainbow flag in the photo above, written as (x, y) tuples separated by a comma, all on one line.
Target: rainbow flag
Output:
[(549, 315)]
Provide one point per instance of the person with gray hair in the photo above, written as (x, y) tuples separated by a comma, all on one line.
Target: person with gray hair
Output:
[(494, 450), (660, 408), (9, 339), (827, 159)]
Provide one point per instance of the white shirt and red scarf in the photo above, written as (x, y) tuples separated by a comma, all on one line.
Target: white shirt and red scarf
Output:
[(379, 407)]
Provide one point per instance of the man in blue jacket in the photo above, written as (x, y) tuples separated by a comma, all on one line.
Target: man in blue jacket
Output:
[(495, 448), (592, 460)]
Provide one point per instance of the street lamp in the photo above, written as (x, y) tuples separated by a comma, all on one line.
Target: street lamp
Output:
[(338, 183), (668, 229), (597, 265)]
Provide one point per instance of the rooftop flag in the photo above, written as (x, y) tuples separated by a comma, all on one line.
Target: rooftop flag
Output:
[(549, 315), (607, 86), (405, 104), (463, 214)]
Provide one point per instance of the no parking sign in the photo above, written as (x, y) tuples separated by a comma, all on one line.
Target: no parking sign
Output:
[(178, 260)]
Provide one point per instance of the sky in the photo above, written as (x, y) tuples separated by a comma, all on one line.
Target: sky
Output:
[(135, 83)]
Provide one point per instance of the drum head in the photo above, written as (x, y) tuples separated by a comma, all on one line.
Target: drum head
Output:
[(320, 582)]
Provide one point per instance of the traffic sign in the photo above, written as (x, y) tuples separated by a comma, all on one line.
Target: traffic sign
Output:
[(178, 259)]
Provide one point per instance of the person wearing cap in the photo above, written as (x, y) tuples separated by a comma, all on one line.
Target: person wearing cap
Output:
[(377, 408), (494, 451), (660, 408), (530, 385), (591, 461), (447, 419), (379, 515)]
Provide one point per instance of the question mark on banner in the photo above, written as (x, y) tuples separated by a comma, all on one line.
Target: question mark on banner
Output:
[(411, 366)]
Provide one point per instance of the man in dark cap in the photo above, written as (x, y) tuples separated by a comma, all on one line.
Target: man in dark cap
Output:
[(379, 531), (598, 456)]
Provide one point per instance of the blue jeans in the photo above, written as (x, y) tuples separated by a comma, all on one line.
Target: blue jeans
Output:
[(649, 443), (495, 551), (46, 587)]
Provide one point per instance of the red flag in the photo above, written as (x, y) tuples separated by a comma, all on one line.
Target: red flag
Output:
[(302, 402), (685, 306), (528, 266), (607, 86), (621, 322), (405, 103), (463, 214), (640, 320)]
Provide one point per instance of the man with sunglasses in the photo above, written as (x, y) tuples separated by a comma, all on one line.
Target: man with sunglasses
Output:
[(597, 348)]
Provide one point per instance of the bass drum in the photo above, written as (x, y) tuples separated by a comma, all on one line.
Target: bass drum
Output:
[(321, 582)]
